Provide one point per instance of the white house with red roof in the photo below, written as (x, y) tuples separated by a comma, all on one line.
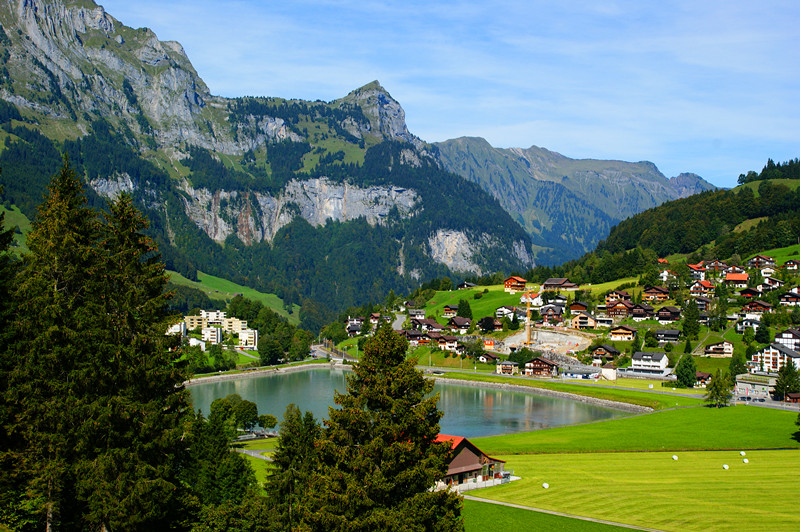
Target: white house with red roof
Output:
[(469, 465)]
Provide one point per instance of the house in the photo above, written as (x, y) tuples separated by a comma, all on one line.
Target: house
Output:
[(617, 295), (426, 325), (736, 280), (532, 298), (668, 335), (466, 286), (559, 283), (375, 319), (552, 314), (449, 311), (666, 276), (646, 362), (655, 293), (194, 341), (233, 325), (756, 307), (540, 367), (747, 323), (703, 303), (609, 372), (489, 324), (604, 353), (791, 265), (506, 311), (723, 349), (760, 261), (583, 320), (514, 284), (621, 333), (767, 271), (697, 272), (506, 367), (447, 343), (212, 335), (353, 329), (770, 283), (416, 313), (468, 463), (578, 306), (773, 357), (790, 338), (488, 358), (668, 314), (750, 293), (459, 324), (604, 321), (702, 379), (716, 266), (412, 336), (701, 288), (642, 311), (248, 339), (179, 329), (619, 309), (790, 299)]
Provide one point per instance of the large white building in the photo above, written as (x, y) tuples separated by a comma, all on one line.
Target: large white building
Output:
[(248, 338), (212, 335), (646, 362), (773, 357)]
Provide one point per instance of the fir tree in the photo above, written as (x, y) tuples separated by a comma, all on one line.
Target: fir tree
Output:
[(788, 380), (691, 321), (686, 371), (738, 365), (718, 392)]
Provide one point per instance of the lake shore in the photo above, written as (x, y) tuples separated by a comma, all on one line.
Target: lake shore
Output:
[(259, 373)]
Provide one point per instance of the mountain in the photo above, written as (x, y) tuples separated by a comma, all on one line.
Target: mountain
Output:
[(329, 204), (566, 205)]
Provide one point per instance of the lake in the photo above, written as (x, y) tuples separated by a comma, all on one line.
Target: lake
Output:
[(468, 411)]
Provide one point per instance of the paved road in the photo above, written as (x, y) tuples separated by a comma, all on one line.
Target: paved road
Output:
[(255, 453)]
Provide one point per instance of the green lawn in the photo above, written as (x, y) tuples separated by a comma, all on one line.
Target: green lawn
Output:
[(482, 516), (650, 400), (485, 306), (224, 290), (653, 490), (15, 218), (703, 428), (781, 255), (711, 365)]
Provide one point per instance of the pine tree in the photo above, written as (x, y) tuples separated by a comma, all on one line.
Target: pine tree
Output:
[(738, 364), (378, 453), (464, 310), (788, 380), (718, 392), (686, 371), (691, 321)]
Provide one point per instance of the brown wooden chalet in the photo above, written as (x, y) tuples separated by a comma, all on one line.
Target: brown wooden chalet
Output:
[(515, 284), (642, 311), (655, 293), (716, 266), (701, 288), (459, 324), (559, 283), (604, 353), (621, 333), (669, 313), (540, 367), (578, 306), (702, 378), (619, 309), (750, 293), (790, 299), (468, 462), (617, 295), (757, 307), (449, 311), (489, 324), (760, 261), (552, 313), (703, 303), (791, 265)]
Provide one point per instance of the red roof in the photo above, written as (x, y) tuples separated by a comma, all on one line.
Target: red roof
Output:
[(663, 261), (706, 284), (440, 438), (736, 277), (696, 267)]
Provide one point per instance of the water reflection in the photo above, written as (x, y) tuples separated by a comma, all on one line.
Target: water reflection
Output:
[(469, 411)]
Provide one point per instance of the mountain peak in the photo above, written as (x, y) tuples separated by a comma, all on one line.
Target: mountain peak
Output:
[(386, 117)]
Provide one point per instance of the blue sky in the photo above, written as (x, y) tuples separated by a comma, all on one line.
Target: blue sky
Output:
[(711, 87)]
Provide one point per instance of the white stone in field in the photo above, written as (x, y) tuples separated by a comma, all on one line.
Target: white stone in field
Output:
[(545, 485), (724, 466)]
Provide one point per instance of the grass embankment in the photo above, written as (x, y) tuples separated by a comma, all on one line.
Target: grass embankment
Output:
[(223, 290), (703, 428), (653, 490), (641, 398), (250, 370)]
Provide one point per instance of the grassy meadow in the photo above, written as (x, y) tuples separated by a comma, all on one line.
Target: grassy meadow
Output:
[(480, 516)]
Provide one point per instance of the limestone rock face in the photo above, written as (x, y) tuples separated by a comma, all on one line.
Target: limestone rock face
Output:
[(256, 216)]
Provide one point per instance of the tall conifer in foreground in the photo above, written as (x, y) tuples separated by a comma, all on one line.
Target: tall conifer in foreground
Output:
[(378, 456)]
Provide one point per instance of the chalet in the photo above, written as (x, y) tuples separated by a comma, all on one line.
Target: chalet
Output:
[(703, 303), (617, 295), (750, 293), (506, 311), (722, 349), (701, 288), (559, 299), (646, 362), (655, 293), (488, 358), (756, 307), (668, 335), (459, 324), (734, 269), (416, 313), (791, 265), (515, 284), (773, 357), (583, 320), (604, 353), (737, 280), (668, 314), (375, 318), (666, 276), (552, 314), (489, 324), (412, 336), (642, 311), (697, 272), (559, 283), (747, 323), (466, 286), (449, 311), (540, 367), (578, 306), (532, 298), (716, 266), (702, 379), (760, 261), (506, 367), (619, 309), (770, 283), (790, 338), (790, 299), (767, 271), (426, 325), (353, 329), (621, 333), (468, 463), (447, 343)]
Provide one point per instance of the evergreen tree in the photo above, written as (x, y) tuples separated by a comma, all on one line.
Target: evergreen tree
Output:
[(379, 457), (686, 371), (718, 392), (464, 309), (762, 334), (691, 321), (738, 365), (788, 381)]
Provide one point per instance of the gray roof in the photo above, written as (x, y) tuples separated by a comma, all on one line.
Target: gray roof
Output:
[(643, 355), (785, 350)]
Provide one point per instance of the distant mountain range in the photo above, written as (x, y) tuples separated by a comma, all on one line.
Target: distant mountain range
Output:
[(326, 204)]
